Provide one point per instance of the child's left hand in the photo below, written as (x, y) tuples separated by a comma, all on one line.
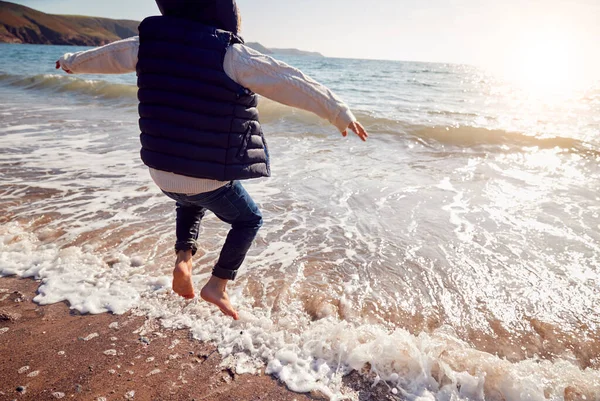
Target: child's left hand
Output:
[(358, 130), (58, 66)]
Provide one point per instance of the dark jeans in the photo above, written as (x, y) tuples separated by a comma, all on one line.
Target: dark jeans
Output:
[(233, 205)]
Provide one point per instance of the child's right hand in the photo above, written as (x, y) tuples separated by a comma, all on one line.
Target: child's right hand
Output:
[(58, 66), (358, 129)]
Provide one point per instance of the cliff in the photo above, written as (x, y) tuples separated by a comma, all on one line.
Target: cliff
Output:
[(295, 52), (20, 24), (290, 52), (258, 47)]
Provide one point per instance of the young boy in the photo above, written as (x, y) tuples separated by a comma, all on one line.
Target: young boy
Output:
[(200, 129)]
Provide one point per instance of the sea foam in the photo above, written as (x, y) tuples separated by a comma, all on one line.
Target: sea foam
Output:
[(307, 355)]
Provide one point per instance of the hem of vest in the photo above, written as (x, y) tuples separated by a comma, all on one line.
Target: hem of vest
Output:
[(204, 178), (211, 178)]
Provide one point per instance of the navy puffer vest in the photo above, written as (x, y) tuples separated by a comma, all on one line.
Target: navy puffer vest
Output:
[(195, 120)]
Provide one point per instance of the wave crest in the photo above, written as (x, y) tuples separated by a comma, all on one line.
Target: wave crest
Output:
[(467, 136), (101, 89), (462, 136)]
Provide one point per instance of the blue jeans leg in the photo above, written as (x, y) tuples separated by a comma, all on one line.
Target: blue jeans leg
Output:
[(233, 205), (187, 228)]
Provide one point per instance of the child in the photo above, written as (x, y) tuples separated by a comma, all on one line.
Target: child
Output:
[(200, 129)]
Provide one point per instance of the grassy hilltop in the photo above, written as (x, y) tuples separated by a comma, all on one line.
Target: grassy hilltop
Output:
[(20, 24)]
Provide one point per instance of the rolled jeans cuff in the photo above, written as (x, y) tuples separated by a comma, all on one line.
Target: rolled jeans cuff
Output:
[(225, 274), (187, 246)]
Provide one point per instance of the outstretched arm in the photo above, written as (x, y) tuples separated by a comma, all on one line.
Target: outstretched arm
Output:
[(115, 58), (285, 84)]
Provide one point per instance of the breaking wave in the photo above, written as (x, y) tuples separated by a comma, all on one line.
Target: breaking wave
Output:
[(57, 83), (461, 136)]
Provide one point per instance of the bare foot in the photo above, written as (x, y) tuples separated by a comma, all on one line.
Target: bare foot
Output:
[(214, 292), (182, 275)]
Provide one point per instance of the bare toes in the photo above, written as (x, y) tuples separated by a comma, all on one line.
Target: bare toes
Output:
[(219, 299), (230, 312)]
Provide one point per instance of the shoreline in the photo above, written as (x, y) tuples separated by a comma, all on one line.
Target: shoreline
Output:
[(53, 352)]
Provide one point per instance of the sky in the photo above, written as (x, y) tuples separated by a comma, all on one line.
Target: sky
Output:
[(497, 34)]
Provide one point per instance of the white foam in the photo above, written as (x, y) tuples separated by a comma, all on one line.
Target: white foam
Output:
[(321, 213), (24, 127), (460, 206), (446, 185), (306, 355), (80, 278)]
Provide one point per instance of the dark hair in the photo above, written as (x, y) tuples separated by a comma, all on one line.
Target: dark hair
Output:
[(222, 14)]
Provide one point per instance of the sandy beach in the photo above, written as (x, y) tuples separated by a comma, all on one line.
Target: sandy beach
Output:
[(52, 353)]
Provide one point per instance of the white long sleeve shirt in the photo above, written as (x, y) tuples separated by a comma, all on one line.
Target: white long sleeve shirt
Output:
[(261, 74)]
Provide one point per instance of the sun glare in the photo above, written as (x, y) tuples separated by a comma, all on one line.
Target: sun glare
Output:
[(545, 64)]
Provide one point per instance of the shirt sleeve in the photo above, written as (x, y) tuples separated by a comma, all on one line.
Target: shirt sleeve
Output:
[(115, 58), (285, 84)]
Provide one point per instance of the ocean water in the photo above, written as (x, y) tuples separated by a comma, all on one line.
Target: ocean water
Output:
[(454, 256)]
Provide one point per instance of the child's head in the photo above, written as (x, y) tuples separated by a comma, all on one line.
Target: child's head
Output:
[(222, 14)]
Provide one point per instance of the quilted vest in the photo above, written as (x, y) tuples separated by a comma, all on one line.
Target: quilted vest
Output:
[(194, 119)]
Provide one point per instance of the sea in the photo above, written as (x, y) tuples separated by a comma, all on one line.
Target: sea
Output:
[(453, 256)]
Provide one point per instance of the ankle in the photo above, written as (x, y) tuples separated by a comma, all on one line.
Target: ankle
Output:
[(184, 256), (218, 283)]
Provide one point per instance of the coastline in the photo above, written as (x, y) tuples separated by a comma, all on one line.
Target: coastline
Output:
[(438, 298), (54, 352)]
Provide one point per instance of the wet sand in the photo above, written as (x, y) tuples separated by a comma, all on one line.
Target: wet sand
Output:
[(50, 352), (54, 353)]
